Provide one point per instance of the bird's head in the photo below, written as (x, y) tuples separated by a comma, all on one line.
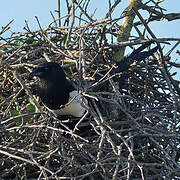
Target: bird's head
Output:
[(48, 71)]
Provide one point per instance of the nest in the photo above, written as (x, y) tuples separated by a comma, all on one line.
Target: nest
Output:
[(130, 130)]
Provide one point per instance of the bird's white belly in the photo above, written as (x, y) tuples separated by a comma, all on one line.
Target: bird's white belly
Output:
[(75, 106)]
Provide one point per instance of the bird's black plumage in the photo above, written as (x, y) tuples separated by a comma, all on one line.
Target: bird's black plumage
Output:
[(55, 90), (53, 87)]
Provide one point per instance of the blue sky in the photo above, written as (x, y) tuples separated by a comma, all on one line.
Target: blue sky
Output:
[(21, 10)]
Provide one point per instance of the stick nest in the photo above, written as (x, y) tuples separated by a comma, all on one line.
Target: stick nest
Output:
[(132, 125)]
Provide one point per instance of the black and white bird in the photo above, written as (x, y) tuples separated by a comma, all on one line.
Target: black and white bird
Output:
[(56, 92), (59, 95)]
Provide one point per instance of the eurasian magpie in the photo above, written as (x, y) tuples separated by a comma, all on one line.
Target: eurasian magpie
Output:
[(58, 94)]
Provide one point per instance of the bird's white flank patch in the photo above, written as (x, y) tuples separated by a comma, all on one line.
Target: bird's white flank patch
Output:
[(75, 106)]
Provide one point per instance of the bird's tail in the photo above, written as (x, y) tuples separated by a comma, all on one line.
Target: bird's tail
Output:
[(135, 56)]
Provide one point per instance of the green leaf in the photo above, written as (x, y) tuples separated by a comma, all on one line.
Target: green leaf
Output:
[(19, 42), (18, 121), (30, 40), (31, 108), (74, 79), (3, 48), (34, 42), (14, 112)]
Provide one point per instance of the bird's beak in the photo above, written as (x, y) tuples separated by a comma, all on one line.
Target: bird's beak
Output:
[(36, 72), (31, 75)]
